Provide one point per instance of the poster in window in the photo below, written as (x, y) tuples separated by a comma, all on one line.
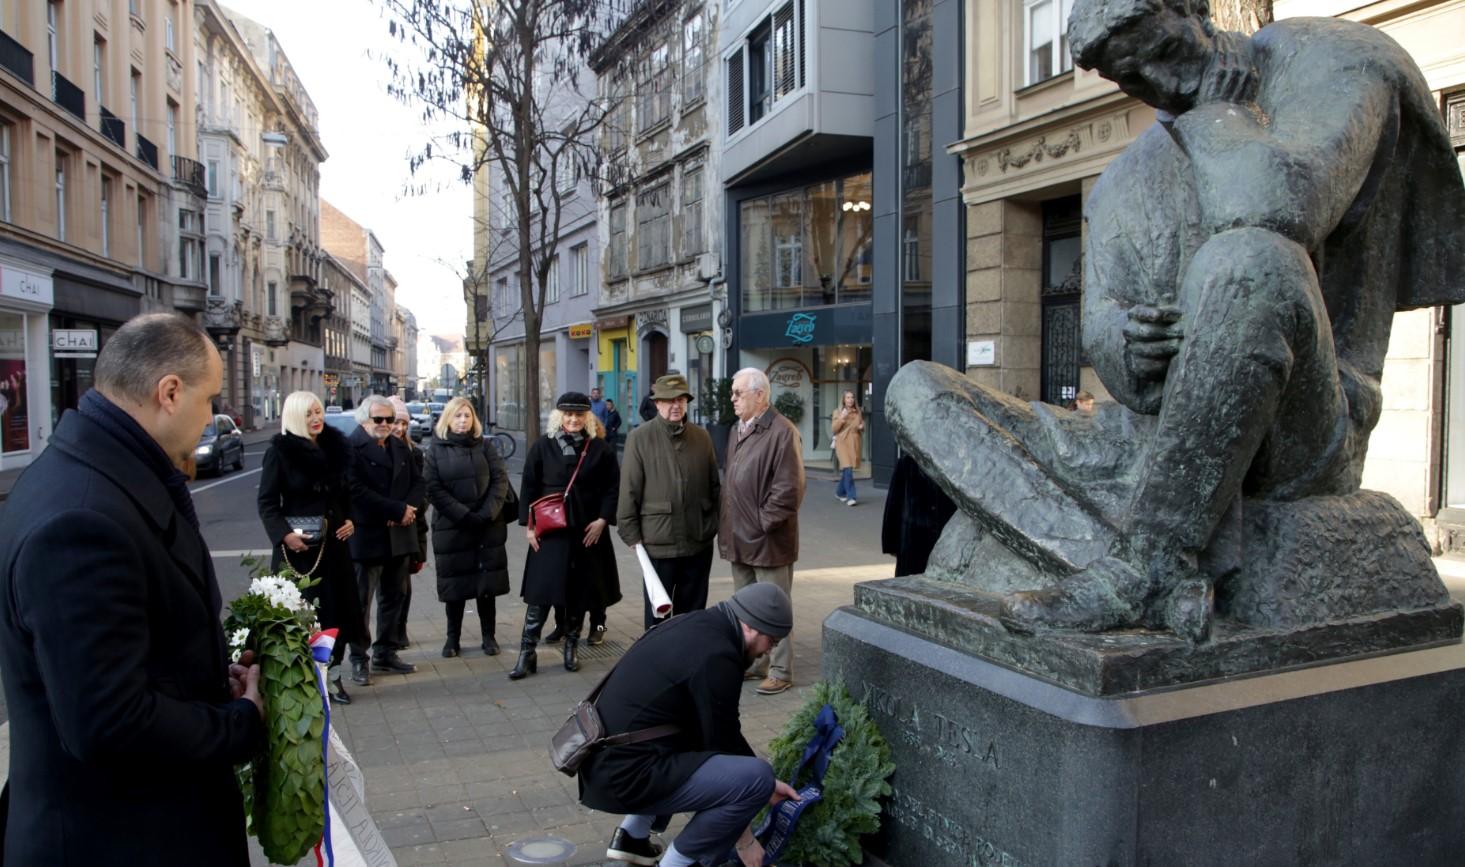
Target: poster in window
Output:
[(14, 409)]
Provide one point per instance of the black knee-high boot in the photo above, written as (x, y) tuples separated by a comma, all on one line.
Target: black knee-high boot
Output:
[(486, 614), (528, 659)]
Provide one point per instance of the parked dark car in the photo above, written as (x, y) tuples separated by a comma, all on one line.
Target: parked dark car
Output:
[(437, 411), (220, 447), (345, 422)]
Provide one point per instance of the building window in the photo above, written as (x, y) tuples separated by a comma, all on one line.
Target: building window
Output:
[(552, 288), (172, 128), (213, 179), (616, 113), (142, 212), (98, 64), (692, 212), (788, 244), (808, 246), (53, 43), (60, 196), (215, 274), (106, 216), (655, 104), (768, 68), (168, 25), (270, 225), (910, 253), (618, 241), (203, 88), (1061, 298), (271, 290), (653, 227), (134, 85), (694, 85), (501, 297), (5, 171), (579, 269), (1047, 39)]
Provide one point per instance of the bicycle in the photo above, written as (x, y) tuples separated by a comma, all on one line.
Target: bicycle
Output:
[(505, 443)]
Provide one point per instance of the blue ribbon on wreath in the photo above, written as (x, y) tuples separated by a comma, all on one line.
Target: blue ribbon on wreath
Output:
[(321, 645), (778, 826)]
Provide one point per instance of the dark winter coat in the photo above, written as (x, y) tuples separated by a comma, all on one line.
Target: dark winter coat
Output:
[(686, 672), (762, 492), (301, 478), (388, 481), (419, 457), (563, 565), (916, 511), (123, 737), (468, 484), (669, 489)]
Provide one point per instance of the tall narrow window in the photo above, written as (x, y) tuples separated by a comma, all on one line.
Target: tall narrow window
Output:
[(694, 84), (53, 43), (618, 241), (270, 225), (273, 307), (142, 212), (1047, 39), (98, 66), (172, 128), (213, 179), (134, 85), (692, 212), (106, 216), (552, 288), (653, 227), (579, 269), (168, 25), (60, 196), (215, 272), (5, 172)]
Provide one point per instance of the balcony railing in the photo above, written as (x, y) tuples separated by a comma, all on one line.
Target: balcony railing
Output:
[(190, 173), (114, 128), (68, 95), (147, 151), (15, 57)]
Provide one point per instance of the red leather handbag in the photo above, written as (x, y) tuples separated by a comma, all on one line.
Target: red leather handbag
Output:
[(547, 514)]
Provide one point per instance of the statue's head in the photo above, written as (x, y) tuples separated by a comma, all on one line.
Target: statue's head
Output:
[(1155, 50)]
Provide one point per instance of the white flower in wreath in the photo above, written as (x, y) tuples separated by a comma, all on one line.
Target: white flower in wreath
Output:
[(280, 592), (236, 641)]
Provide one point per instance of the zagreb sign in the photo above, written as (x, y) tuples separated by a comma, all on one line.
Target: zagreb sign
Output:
[(800, 328)]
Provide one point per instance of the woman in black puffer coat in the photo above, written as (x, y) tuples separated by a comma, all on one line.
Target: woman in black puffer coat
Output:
[(467, 485), (307, 474)]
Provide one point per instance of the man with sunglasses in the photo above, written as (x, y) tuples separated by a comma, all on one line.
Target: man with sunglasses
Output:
[(386, 487)]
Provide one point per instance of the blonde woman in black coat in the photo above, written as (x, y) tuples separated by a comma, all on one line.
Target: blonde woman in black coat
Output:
[(574, 567), (467, 485), (307, 473)]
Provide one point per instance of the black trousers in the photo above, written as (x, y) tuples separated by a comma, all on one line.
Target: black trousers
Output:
[(387, 580), (685, 580), (487, 611)]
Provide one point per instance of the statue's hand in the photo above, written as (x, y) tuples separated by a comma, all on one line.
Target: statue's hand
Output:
[(1231, 77), (1152, 337)]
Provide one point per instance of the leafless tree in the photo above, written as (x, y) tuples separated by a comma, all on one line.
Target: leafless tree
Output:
[(511, 72)]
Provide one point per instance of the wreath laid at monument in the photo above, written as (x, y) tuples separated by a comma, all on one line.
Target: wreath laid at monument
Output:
[(828, 832), (284, 786)]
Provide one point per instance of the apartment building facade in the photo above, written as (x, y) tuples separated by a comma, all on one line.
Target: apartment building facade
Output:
[(660, 203)]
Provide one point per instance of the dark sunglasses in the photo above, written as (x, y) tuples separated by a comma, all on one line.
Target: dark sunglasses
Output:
[(383, 419)]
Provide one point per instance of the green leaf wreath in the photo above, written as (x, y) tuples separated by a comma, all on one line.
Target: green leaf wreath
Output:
[(284, 786), (828, 833)]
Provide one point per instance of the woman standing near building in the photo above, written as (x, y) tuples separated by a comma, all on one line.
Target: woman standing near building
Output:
[(573, 566), (467, 485), (305, 505), (849, 427)]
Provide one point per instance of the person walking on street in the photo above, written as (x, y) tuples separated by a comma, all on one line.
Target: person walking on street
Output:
[(849, 429), (758, 533), (401, 425), (383, 511), (597, 404), (307, 473), (613, 423), (573, 566), (468, 485), (669, 498), (687, 673), (126, 718)]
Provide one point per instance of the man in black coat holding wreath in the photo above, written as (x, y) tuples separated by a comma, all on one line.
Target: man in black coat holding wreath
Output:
[(688, 672)]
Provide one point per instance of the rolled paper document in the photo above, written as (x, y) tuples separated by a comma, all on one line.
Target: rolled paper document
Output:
[(660, 602)]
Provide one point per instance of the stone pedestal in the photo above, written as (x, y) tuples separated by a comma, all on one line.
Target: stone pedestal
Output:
[(1356, 762)]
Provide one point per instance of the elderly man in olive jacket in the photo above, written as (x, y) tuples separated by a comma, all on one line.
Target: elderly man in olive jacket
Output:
[(669, 497), (759, 531)]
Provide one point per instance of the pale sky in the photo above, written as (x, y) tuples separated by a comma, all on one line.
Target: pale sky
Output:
[(334, 46)]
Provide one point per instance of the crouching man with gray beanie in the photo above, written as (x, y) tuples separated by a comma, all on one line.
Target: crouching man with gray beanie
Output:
[(688, 672)]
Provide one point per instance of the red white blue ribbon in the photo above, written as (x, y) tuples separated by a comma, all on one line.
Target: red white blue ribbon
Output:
[(321, 646)]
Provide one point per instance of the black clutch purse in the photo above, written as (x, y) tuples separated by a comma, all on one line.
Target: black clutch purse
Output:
[(310, 527)]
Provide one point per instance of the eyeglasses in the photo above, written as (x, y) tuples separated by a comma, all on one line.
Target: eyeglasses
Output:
[(383, 419)]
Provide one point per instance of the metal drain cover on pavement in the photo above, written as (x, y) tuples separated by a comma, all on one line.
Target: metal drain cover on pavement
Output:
[(540, 850), (608, 649)]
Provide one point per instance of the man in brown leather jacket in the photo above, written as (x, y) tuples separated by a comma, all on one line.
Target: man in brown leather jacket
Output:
[(764, 486)]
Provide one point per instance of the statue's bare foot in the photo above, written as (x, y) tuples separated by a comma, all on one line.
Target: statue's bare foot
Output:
[(1091, 601)]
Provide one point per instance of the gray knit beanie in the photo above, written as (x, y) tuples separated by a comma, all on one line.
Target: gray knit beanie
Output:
[(764, 607)]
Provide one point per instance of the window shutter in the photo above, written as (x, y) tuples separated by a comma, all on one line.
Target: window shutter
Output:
[(799, 41), (785, 47), (735, 95)]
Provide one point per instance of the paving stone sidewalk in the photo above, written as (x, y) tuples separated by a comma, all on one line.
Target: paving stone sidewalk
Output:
[(455, 756)]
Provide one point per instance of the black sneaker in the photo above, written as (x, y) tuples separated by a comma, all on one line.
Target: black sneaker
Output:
[(634, 850), (393, 663)]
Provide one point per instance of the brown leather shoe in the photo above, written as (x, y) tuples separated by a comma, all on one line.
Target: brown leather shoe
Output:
[(773, 685)]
